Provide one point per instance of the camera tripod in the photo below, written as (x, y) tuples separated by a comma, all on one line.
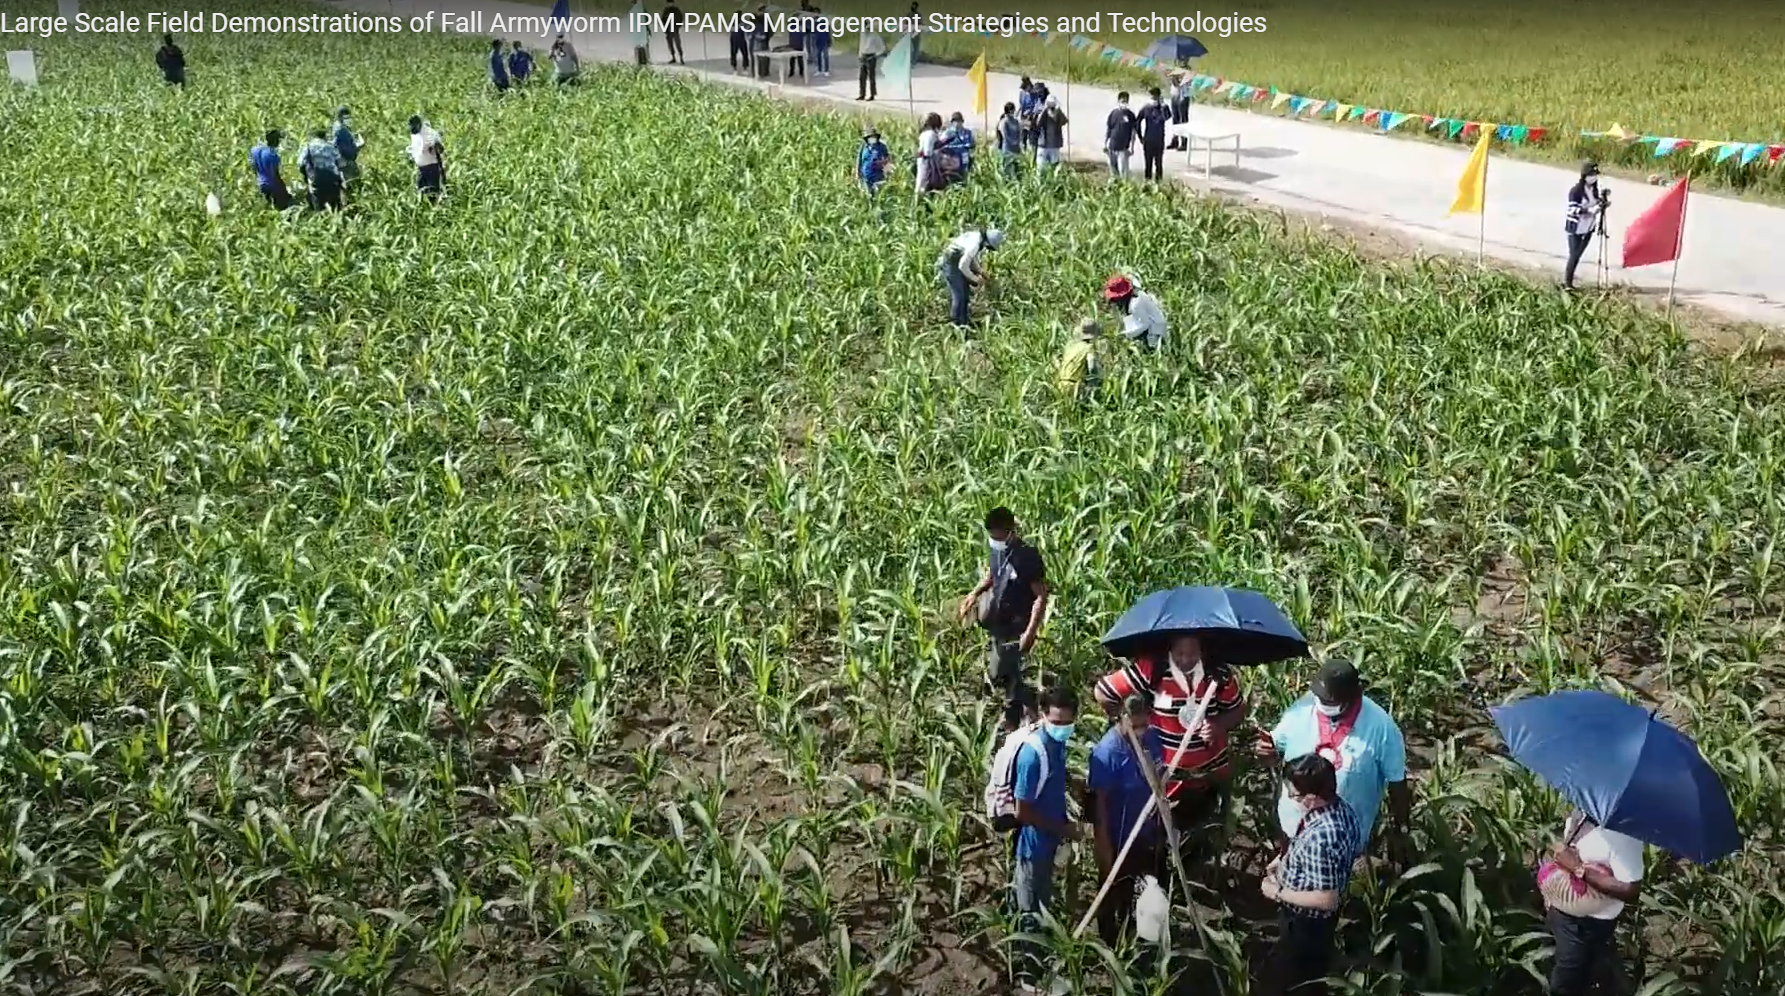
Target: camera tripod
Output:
[(1600, 234)]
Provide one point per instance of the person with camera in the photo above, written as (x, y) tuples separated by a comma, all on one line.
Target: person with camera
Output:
[(1586, 216)]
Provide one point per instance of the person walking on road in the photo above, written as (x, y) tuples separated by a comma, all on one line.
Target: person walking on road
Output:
[(961, 269), (265, 160), (1118, 137), (672, 34), (1039, 790), (1308, 881), (1337, 721), (1154, 124), (172, 62), (872, 48), (1051, 138), (1009, 602), (1585, 204)]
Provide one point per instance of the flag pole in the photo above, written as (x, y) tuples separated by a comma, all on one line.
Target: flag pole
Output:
[(1481, 222), (1679, 242)]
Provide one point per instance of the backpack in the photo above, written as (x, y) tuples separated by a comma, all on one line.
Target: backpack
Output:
[(1000, 789)]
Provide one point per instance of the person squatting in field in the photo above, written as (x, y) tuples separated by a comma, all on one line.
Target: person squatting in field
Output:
[(961, 269)]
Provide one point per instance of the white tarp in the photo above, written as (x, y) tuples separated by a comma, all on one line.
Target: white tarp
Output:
[(22, 67)]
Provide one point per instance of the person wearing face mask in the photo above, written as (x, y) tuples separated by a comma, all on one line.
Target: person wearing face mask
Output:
[(1338, 722), (1586, 202), (1011, 601), (1175, 682), (1040, 794), (1119, 792), (1308, 882)]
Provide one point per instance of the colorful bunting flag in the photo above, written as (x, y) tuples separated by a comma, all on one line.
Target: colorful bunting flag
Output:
[(1751, 153), (1704, 147), (1665, 146), (1340, 112), (1280, 99), (1356, 112), (1456, 128), (1728, 150), (1519, 134), (1617, 133)]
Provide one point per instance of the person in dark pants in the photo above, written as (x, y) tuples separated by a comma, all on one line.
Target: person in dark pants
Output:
[(1308, 882), (1585, 204), (172, 62), (498, 66), (1180, 105), (672, 35), (916, 32), (429, 154), (320, 164), (872, 48), (1154, 121), (740, 48), (265, 159), (520, 64), (1039, 791), (1610, 864), (1010, 602), (1120, 789)]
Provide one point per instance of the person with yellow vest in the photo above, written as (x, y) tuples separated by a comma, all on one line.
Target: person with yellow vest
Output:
[(1081, 365)]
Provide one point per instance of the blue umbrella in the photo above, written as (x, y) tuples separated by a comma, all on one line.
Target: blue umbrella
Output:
[(1235, 626), (1176, 48), (1628, 771)]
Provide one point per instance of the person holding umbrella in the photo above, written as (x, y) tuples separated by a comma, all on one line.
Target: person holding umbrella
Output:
[(1337, 721), (1633, 780)]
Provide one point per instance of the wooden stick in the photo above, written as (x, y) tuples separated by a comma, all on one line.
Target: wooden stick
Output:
[(1202, 708)]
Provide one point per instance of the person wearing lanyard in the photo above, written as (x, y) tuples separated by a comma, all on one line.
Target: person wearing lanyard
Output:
[(1338, 722), (1308, 882), (1610, 864), (1198, 763)]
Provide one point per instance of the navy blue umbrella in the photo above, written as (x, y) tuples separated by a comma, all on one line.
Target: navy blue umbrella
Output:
[(1628, 771), (1235, 626), (1176, 48)]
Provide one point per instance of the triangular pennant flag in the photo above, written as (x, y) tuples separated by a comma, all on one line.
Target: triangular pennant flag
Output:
[(1356, 112), (1656, 234), (1340, 112), (1538, 133), (1703, 147), (1370, 116), (1432, 123), (1503, 132), (1618, 133), (1751, 153), (1258, 95), (1456, 128), (1519, 134), (1291, 99), (1664, 146), (1728, 150), (1773, 152), (1427, 120), (1226, 87)]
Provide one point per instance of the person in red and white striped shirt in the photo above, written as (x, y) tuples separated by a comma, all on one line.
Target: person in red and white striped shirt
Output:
[(1197, 785)]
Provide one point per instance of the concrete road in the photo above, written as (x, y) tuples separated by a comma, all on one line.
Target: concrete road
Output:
[(1734, 251)]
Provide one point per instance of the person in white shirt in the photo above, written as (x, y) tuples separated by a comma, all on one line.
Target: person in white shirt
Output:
[(1610, 864), (961, 271), (1143, 320), (872, 48), (928, 141), (428, 153)]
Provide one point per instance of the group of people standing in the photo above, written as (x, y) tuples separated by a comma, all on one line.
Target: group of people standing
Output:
[(1339, 753), (329, 163), (513, 67)]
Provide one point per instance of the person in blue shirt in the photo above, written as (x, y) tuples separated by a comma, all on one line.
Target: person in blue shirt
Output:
[(1120, 791), (1337, 721), (1039, 788), (957, 142), (520, 63), (265, 160), (348, 145), (821, 33), (870, 164), (498, 66), (1011, 136)]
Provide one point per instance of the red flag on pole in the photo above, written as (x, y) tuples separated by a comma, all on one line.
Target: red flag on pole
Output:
[(1655, 235)]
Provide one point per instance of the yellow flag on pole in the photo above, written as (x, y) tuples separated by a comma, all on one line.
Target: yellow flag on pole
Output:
[(1472, 187), (977, 74)]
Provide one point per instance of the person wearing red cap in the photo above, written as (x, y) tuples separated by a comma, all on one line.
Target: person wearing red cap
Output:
[(1143, 320)]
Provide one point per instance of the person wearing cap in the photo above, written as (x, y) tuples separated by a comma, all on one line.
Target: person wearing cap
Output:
[(565, 65), (347, 144), (320, 165), (1081, 365), (1050, 130), (1119, 782), (1143, 320), (1338, 722), (961, 270), (1198, 759), (957, 148), (1308, 882), (870, 163), (1586, 202)]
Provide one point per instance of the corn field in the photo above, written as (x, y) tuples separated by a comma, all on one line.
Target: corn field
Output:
[(550, 590)]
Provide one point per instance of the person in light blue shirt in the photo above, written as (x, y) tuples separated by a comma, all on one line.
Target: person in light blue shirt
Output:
[(1039, 788), (1338, 722)]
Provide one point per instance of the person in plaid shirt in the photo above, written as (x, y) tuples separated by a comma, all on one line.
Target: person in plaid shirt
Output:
[(1309, 881)]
